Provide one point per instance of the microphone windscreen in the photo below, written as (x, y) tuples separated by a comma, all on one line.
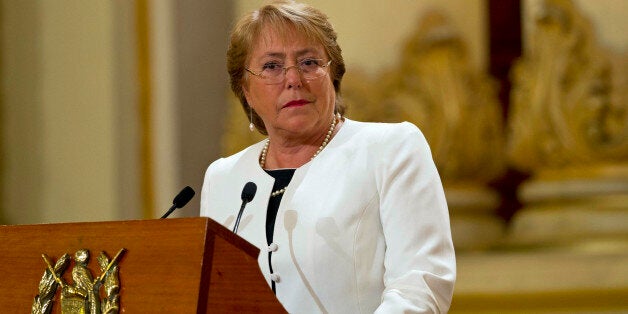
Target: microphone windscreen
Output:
[(248, 192), (183, 197)]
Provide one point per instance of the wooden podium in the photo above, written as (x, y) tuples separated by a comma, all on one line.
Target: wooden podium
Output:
[(184, 265)]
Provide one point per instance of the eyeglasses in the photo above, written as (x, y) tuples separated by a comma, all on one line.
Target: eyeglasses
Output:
[(275, 72)]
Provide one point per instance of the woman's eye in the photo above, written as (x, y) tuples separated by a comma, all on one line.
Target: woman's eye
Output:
[(271, 66), (310, 62)]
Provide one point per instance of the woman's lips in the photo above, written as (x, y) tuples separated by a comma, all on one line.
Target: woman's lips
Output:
[(296, 103)]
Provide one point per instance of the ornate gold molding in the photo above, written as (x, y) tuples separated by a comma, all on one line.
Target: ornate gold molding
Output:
[(436, 87), (567, 108)]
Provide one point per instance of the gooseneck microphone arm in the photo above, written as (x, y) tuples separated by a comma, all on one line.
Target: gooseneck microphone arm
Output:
[(248, 192), (180, 200)]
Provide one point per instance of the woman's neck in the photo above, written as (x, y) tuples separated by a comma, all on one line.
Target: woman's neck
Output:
[(292, 153), (289, 156)]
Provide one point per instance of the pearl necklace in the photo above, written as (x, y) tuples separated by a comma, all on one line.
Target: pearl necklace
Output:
[(262, 158)]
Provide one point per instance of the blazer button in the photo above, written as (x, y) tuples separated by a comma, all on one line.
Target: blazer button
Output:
[(272, 247), (274, 277)]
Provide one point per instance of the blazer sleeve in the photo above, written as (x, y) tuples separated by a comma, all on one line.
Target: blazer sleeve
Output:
[(420, 265)]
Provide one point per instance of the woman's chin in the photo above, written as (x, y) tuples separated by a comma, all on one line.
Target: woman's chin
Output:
[(298, 126)]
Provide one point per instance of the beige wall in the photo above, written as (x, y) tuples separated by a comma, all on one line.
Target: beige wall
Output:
[(609, 18), (164, 129), (70, 130), (21, 110), (78, 110), (58, 86)]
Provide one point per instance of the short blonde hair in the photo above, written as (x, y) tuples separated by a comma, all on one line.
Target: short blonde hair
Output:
[(282, 16)]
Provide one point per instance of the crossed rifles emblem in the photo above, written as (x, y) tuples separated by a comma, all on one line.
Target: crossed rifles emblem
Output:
[(83, 295)]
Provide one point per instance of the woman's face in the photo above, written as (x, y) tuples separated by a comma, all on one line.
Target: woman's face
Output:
[(295, 107)]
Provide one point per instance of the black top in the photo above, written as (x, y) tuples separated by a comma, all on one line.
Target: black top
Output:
[(282, 179)]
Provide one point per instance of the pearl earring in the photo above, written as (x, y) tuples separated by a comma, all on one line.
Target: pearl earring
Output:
[(251, 126)]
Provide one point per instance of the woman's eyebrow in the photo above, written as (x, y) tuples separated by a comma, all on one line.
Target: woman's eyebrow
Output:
[(299, 53), (270, 54), (274, 54)]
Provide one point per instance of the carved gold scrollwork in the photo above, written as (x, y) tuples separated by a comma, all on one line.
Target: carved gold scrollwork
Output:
[(565, 106)]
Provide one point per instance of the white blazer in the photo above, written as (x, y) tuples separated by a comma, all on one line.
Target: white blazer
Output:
[(362, 228)]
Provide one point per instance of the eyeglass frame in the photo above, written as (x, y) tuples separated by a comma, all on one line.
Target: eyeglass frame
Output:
[(285, 70)]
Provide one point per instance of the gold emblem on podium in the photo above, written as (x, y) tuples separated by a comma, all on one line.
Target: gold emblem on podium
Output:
[(83, 295)]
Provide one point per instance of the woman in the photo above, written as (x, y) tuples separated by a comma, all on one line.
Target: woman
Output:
[(352, 215)]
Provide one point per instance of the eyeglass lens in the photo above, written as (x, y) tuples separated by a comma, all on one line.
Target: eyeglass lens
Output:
[(310, 69)]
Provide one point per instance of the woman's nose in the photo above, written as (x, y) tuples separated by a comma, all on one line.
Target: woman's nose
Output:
[(293, 77)]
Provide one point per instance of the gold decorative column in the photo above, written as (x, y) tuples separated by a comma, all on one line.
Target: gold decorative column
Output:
[(566, 250), (569, 128)]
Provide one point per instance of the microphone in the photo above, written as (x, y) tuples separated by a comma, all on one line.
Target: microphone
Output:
[(248, 192), (180, 200)]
